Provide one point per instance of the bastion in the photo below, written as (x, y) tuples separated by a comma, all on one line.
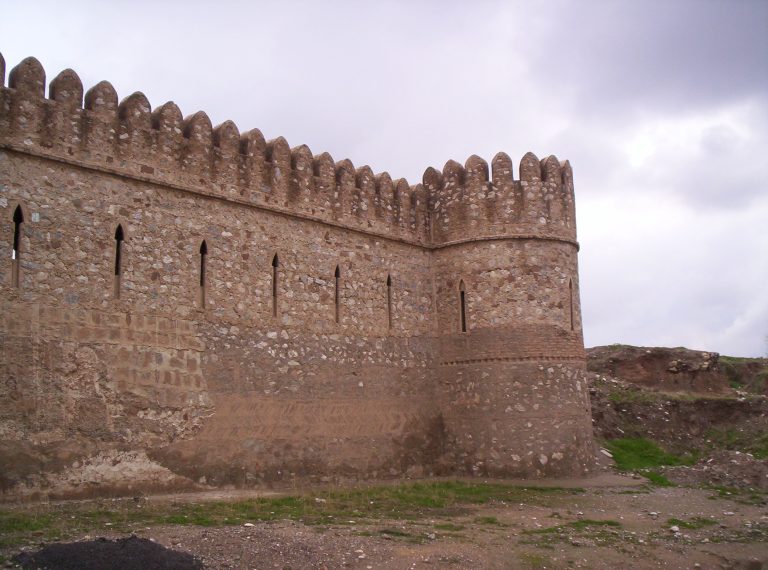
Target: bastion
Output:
[(187, 307)]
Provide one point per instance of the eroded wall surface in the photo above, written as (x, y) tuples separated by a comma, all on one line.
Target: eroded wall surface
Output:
[(228, 393), (188, 307)]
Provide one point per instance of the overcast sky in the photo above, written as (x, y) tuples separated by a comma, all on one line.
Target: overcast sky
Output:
[(661, 107)]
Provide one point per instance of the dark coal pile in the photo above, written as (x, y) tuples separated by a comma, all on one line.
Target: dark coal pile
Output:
[(101, 554)]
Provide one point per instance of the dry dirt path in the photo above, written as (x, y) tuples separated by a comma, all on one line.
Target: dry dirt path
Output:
[(612, 523)]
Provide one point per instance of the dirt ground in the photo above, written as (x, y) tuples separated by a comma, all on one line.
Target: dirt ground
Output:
[(612, 522)]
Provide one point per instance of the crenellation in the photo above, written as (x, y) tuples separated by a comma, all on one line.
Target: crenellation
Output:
[(420, 217), (364, 192), (550, 168), (384, 198), (344, 190), (226, 137), (278, 173), (250, 361), (28, 79), (432, 181), (530, 168), (476, 173), (303, 178), (67, 89), (509, 200), (27, 100), (534, 215), (551, 181), (324, 170), (253, 147), (167, 123), (62, 121), (227, 160), (101, 99), (399, 192), (132, 138)]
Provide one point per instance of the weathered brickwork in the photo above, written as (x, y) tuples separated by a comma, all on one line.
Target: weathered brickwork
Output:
[(186, 306)]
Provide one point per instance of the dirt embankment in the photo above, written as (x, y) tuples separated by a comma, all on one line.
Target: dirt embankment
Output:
[(679, 421), (680, 369), (695, 404), (683, 399)]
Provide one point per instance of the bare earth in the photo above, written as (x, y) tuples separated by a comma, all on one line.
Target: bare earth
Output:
[(503, 535)]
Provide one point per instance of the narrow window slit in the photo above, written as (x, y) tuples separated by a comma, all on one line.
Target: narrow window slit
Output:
[(119, 238), (18, 219), (275, 270), (337, 276), (463, 306), (203, 273), (570, 299), (389, 301)]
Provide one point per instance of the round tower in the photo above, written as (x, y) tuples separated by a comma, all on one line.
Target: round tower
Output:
[(511, 358)]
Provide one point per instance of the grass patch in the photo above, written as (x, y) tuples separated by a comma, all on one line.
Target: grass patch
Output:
[(743, 496), (749, 374), (23, 522), (657, 478), (692, 523), (395, 532), (533, 560), (633, 396), (488, 520), (400, 535), (450, 527), (582, 524), (631, 454), (586, 523), (738, 440), (601, 532), (343, 506)]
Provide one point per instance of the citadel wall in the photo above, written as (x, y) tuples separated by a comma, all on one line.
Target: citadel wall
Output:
[(185, 306)]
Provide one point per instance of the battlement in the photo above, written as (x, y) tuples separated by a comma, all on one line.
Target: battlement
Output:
[(471, 201), (91, 129), (189, 306)]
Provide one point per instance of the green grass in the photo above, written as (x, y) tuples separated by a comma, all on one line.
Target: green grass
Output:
[(743, 496), (586, 523), (656, 478), (737, 440), (631, 454), (693, 523), (533, 560), (732, 368), (395, 532), (634, 396), (488, 520), (449, 527), (338, 507), (602, 532), (582, 524)]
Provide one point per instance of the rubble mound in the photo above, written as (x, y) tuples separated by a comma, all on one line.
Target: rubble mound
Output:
[(125, 554), (728, 431), (723, 468), (668, 369)]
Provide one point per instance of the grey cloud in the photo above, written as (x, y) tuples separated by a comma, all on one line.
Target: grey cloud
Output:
[(672, 251), (624, 56)]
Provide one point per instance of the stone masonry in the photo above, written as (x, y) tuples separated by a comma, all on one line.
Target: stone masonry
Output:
[(189, 307)]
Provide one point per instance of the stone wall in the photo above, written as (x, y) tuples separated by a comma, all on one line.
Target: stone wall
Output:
[(185, 307)]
